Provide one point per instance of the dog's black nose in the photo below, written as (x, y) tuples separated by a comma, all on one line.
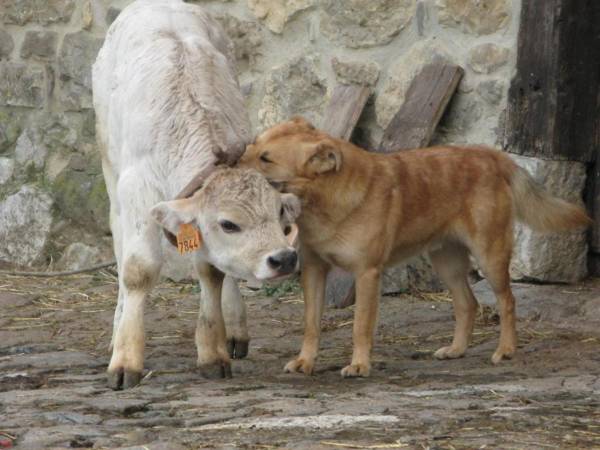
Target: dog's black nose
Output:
[(283, 261)]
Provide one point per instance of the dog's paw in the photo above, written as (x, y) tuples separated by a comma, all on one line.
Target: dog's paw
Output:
[(503, 352), (302, 365), (356, 370), (237, 348), (449, 352)]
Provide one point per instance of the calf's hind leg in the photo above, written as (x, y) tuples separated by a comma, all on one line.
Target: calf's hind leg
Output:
[(451, 263), (234, 313)]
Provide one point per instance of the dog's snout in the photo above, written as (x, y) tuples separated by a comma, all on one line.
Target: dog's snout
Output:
[(283, 261)]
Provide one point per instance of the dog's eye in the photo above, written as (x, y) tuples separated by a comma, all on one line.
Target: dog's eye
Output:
[(281, 211), (287, 230), (264, 158), (229, 227)]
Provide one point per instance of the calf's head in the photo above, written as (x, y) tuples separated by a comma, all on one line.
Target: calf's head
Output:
[(247, 228)]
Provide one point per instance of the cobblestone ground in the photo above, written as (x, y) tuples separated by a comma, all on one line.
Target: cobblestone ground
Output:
[(54, 334)]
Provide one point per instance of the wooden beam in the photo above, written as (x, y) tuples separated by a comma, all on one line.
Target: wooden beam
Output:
[(344, 109), (411, 127), (339, 120), (426, 100), (553, 102)]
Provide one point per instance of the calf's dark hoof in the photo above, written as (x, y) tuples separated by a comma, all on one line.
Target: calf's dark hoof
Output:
[(215, 371), (237, 349), (123, 379)]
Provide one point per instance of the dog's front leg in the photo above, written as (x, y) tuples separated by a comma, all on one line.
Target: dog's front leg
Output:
[(314, 274), (365, 319)]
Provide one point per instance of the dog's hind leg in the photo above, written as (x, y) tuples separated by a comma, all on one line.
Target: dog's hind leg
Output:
[(451, 262), (493, 257)]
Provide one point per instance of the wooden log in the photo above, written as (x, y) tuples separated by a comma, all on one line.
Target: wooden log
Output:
[(426, 100), (553, 99), (411, 127), (339, 120)]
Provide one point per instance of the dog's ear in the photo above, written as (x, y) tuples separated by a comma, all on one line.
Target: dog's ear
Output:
[(324, 157)]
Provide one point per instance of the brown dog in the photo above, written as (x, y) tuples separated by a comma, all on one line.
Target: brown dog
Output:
[(362, 211)]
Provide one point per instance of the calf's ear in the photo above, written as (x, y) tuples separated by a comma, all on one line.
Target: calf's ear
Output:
[(172, 214), (324, 157)]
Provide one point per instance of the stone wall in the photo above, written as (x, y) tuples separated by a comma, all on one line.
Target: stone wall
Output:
[(291, 54)]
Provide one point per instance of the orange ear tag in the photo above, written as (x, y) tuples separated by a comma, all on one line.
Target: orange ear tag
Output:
[(188, 239)]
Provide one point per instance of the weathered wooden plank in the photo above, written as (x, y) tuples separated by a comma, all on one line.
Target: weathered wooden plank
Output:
[(553, 99), (425, 103), (344, 109), (411, 127)]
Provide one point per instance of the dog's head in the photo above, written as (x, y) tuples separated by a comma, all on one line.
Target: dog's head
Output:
[(293, 150)]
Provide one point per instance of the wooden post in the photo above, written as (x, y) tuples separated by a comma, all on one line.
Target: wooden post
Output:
[(553, 101), (411, 127)]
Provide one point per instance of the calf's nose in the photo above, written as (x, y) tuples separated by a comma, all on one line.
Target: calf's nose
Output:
[(283, 261)]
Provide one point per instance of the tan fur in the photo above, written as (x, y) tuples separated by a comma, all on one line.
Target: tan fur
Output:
[(362, 211)]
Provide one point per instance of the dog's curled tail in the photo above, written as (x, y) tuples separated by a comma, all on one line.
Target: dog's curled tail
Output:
[(542, 211)]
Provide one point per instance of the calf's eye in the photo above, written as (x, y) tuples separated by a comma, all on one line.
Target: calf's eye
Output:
[(229, 227), (264, 158)]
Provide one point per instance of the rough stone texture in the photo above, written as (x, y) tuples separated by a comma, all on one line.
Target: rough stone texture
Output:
[(77, 54), (382, 44), (30, 149), (25, 220), (43, 12), (291, 89), (559, 257), (7, 44), (21, 85), (401, 74), (78, 256), (355, 72), (10, 128), (7, 167), (276, 13), (111, 14), (480, 18), (39, 44), (246, 38), (487, 58), (492, 91), (416, 274), (360, 24)]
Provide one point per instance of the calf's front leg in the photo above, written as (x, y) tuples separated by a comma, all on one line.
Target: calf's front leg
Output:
[(234, 313), (365, 320), (213, 358)]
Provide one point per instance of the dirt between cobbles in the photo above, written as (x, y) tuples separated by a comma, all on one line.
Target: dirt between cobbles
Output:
[(54, 335)]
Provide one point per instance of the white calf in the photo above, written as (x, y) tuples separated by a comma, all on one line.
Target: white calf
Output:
[(168, 106)]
